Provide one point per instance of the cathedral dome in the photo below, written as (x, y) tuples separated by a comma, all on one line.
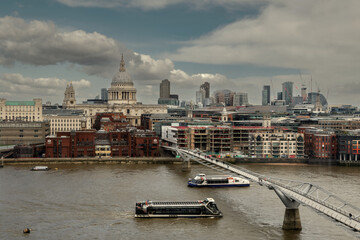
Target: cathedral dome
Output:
[(122, 76)]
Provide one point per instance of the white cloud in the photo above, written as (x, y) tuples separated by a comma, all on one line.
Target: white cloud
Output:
[(18, 87), (42, 43)]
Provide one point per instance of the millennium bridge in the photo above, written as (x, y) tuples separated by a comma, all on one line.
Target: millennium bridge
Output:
[(291, 193)]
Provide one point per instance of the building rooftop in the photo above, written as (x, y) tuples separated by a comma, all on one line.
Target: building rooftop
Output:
[(19, 103), (62, 112)]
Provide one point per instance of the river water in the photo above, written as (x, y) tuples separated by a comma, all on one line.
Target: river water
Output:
[(98, 202)]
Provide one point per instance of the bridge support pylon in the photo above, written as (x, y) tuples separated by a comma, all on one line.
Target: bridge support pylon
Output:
[(292, 219), (292, 215), (186, 164)]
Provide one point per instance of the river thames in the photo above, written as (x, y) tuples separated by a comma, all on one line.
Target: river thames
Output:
[(98, 202)]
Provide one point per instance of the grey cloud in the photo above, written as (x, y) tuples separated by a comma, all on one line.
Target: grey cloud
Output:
[(41, 43), (159, 4), (316, 37)]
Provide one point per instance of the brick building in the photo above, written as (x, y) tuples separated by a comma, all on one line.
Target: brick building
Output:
[(319, 143), (130, 142), (110, 121)]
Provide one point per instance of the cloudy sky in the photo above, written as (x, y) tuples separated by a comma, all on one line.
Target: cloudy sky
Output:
[(233, 44)]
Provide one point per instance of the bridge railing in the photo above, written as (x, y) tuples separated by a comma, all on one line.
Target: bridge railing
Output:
[(308, 190)]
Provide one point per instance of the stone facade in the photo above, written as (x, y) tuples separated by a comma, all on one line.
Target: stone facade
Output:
[(276, 145), (29, 111)]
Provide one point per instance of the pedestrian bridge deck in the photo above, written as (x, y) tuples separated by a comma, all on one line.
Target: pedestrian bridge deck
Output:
[(305, 193)]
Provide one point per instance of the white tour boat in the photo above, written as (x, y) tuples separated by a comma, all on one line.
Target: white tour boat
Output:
[(201, 180)]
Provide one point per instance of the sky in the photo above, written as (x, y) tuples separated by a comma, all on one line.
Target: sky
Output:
[(239, 45)]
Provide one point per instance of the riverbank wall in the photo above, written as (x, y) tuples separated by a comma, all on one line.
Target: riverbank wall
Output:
[(271, 160), (133, 160), (349, 163), (169, 160)]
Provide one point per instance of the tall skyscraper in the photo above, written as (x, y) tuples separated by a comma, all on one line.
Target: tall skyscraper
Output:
[(206, 87), (287, 92), (266, 95), (165, 96), (165, 89)]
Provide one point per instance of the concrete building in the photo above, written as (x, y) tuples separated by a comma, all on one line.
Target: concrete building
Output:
[(240, 99), (266, 95), (104, 94), (277, 145), (214, 139), (287, 92), (165, 89), (303, 93), (29, 111), (15, 132), (225, 97), (61, 120), (165, 97)]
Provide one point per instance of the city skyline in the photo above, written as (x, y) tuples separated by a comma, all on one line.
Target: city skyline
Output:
[(239, 45)]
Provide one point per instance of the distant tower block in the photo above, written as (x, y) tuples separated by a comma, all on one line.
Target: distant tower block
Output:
[(206, 87), (165, 89), (303, 93)]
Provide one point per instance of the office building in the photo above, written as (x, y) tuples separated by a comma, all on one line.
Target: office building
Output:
[(28, 111), (165, 89), (104, 94), (287, 92), (266, 95), (206, 87), (240, 99)]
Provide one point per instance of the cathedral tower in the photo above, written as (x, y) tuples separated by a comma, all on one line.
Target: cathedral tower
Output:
[(69, 98)]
